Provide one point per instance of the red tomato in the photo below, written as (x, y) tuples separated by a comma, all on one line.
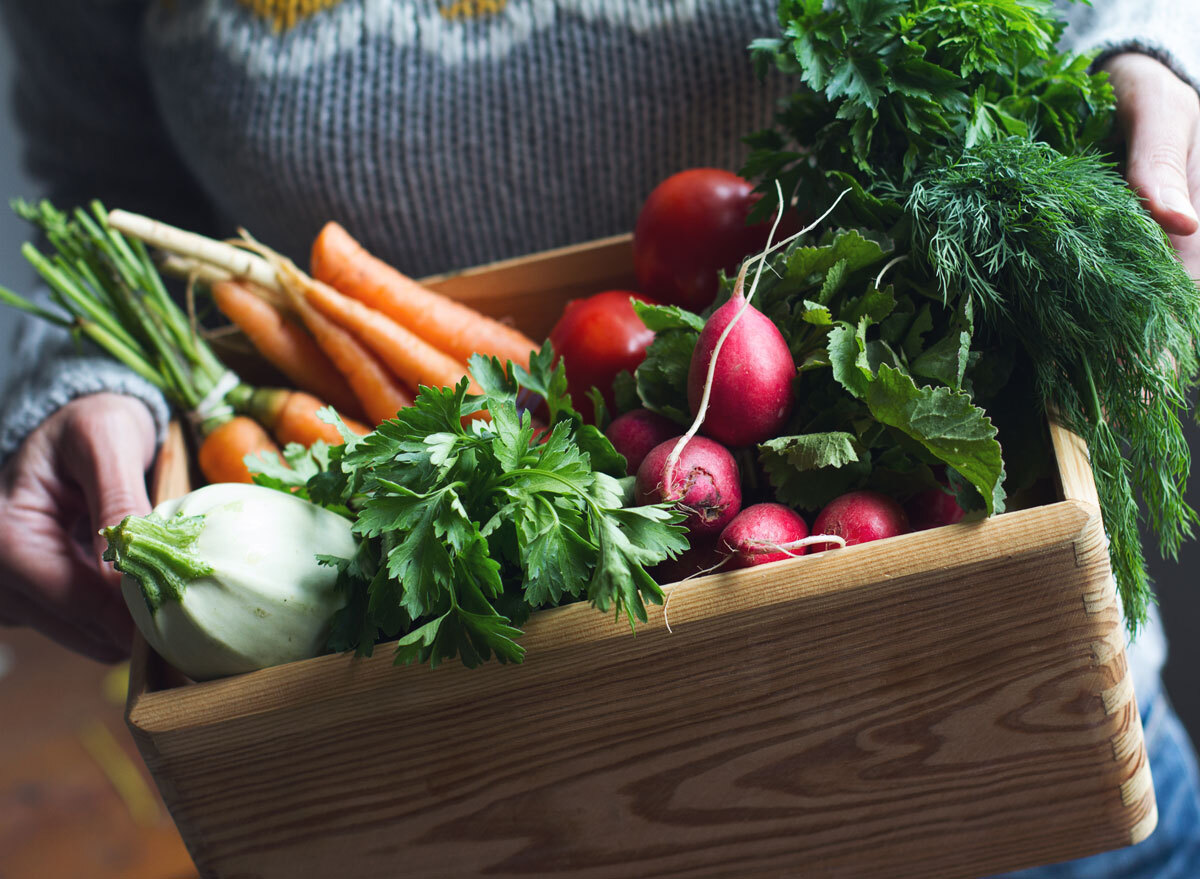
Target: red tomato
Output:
[(691, 226), (596, 338)]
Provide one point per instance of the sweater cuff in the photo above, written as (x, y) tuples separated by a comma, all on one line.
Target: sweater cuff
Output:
[(59, 382), (1155, 49)]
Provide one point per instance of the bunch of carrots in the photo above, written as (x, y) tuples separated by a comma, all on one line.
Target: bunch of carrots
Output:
[(357, 334)]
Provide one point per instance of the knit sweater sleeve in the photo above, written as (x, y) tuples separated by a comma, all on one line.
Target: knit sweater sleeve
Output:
[(1163, 29), (89, 129)]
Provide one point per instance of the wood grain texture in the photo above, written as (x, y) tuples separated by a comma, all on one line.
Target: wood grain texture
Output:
[(950, 703)]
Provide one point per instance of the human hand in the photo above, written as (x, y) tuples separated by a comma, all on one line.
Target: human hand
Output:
[(1160, 116), (83, 468)]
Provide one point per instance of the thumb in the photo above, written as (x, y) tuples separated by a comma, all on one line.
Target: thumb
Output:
[(1158, 113)]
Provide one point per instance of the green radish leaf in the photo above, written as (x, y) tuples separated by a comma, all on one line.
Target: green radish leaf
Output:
[(814, 450), (946, 360), (667, 317), (947, 424), (664, 372)]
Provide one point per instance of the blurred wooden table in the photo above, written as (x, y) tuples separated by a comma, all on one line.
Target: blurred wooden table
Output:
[(75, 797)]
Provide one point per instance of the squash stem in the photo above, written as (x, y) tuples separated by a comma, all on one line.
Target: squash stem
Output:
[(158, 553)]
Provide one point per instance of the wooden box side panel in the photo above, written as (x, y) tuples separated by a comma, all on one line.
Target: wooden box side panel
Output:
[(531, 291), (824, 737)]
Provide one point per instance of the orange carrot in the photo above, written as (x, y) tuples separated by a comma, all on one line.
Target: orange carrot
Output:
[(284, 344), (450, 326), (380, 395), (290, 415), (410, 358), (225, 446)]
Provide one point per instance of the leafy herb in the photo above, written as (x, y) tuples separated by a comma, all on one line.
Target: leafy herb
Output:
[(889, 86), (1055, 251), (470, 524), (966, 137)]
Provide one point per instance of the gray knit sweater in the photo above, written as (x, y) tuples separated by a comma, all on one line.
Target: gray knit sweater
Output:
[(442, 133)]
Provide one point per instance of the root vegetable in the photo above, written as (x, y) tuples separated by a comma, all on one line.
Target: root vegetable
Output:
[(933, 508), (762, 533), (860, 517), (225, 580), (285, 344), (291, 416), (449, 326), (700, 556), (751, 395), (703, 483), (222, 452), (635, 433)]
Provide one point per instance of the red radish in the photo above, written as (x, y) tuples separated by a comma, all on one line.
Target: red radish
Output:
[(933, 508), (635, 433), (703, 483), (760, 534), (860, 517), (751, 394)]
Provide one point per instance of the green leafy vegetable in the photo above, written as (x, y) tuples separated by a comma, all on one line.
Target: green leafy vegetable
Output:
[(1056, 252), (889, 86), (965, 137), (470, 524)]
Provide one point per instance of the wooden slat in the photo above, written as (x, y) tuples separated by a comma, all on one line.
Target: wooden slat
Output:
[(1074, 467), (849, 715), (531, 291)]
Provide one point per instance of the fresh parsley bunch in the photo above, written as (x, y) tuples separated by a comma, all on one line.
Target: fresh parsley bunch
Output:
[(470, 522)]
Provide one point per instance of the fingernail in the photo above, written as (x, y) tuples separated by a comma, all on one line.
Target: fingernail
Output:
[(1176, 200)]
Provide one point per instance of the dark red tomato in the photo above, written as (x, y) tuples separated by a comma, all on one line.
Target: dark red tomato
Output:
[(691, 226), (596, 338)]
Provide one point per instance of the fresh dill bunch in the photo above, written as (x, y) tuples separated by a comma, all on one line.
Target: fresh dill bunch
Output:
[(1055, 251)]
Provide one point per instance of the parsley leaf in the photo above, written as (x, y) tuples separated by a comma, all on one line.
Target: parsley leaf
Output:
[(468, 524)]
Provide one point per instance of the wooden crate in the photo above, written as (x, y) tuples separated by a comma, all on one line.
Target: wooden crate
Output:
[(949, 703)]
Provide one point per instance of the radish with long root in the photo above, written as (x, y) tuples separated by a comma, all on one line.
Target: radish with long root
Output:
[(763, 533), (730, 323), (860, 517), (636, 432), (702, 483), (750, 385)]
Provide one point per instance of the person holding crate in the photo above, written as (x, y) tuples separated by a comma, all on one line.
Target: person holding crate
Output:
[(402, 120)]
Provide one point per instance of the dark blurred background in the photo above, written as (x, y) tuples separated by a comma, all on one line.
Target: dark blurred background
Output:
[(1179, 592)]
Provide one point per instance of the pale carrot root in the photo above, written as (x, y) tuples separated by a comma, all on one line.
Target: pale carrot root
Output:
[(450, 326)]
